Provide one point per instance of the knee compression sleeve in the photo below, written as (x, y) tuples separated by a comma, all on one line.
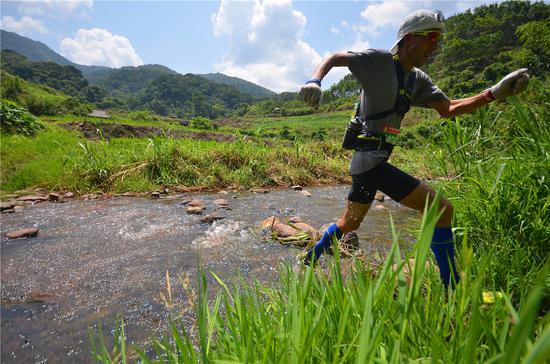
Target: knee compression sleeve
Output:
[(443, 249), (325, 242)]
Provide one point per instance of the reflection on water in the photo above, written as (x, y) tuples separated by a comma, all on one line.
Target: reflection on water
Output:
[(94, 261)]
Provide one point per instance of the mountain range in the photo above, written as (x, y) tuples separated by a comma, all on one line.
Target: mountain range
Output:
[(111, 78)]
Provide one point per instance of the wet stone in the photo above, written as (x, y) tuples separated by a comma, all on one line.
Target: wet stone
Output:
[(208, 219), (7, 205), (195, 203), (18, 209), (55, 197), (22, 233), (305, 228), (305, 193), (284, 230), (33, 198), (295, 219), (68, 195), (297, 188), (269, 222), (195, 207), (155, 194), (221, 202), (35, 297), (259, 190)]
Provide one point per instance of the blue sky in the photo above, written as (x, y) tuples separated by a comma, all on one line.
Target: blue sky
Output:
[(274, 43)]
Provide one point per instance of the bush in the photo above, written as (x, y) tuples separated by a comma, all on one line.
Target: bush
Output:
[(199, 122), (16, 119)]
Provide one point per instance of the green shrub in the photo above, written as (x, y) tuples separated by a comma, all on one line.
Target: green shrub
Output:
[(199, 122), (16, 119), (144, 115)]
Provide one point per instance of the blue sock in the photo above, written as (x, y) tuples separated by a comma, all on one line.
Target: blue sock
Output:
[(325, 242), (444, 251)]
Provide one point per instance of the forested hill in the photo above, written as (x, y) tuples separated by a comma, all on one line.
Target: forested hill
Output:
[(240, 84), (65, 78), (483, 45), (128, 79), (38, 51)]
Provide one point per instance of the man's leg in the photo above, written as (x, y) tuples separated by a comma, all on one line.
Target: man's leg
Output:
[(350, 221), (442, 241)]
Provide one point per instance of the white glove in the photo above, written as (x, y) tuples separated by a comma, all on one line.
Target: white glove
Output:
[(311, 93), (512, 84)]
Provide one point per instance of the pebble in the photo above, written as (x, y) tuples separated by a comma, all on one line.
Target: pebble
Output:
[(33, 198), (221, 202), (295, 219), (259, 190), (211, 218), (7, 205), (269, 222), (55, 197), (22, 233), (305, 193), (194, 210)]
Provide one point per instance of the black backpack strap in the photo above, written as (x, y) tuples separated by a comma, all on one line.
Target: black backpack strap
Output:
[(403, 99)]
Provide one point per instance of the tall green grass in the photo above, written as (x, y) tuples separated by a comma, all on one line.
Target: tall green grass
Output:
[(502, 197), (325, 317), (58, 159)]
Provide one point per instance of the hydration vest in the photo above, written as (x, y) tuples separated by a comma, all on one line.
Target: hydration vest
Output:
[(358, 134)]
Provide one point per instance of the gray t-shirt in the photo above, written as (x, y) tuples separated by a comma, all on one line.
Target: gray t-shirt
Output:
[(375, 71)]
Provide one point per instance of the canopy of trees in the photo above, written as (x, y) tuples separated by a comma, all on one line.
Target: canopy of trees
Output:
[(67, 79), (483, 45)]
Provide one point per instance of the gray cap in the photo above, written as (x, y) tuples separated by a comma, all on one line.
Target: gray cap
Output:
[(418, 21)]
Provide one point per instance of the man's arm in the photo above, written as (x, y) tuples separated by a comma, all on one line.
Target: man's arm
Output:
[(512, 84), (340, 59), (311, 91), (452, 108)]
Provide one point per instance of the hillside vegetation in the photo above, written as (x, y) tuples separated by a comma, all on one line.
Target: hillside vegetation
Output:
[(482, 46)]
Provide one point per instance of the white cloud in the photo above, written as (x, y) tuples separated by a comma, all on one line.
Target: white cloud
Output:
[(25, 26), (386, 13), (266, 43), (100, 47), (54, 8), (334, 30)]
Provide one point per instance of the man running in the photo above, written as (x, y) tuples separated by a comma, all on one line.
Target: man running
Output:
[(391, 83)]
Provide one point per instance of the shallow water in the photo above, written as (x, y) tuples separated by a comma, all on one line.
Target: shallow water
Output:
[(96, 260)]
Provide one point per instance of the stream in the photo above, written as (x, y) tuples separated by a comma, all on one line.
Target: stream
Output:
[(94, 261)]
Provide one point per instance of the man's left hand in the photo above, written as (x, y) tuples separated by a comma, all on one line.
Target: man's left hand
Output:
[(512, 84)]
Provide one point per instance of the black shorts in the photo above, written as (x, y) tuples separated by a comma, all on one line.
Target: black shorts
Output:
[(384, 177)]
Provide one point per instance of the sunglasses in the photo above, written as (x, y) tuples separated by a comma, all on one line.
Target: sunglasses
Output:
[(432, 35)]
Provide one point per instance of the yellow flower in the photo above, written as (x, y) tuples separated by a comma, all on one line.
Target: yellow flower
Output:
[(490, 297)]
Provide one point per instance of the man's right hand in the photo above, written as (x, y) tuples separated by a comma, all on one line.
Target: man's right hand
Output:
[(311, 94)]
